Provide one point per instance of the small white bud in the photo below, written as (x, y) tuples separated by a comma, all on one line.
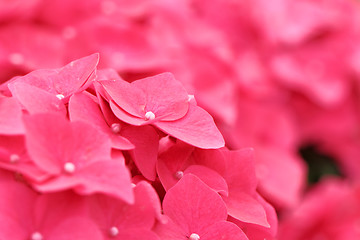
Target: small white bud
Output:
[(190, 97), (115, 127), (149, 116), (194, 236), (179, 174), (60, 96), (36, 236), (69, 167), (113, 231)]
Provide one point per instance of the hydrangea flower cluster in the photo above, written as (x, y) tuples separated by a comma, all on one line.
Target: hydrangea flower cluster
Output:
[(193, 121), (91, 155)]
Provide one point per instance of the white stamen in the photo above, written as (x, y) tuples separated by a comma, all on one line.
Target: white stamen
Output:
[(114, 231), (14, 158), (115, 127), (36, 236), (60, 96), (149, 115), (69, 167), (190, 97), (179, 174), (133, 185), (16, 58), (194, 236)]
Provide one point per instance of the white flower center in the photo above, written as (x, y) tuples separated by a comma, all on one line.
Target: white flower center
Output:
[(60, 96), (179, 174), (36, 236), (113, 231), (69, 167), (190, 97), (194, 236), (14, 158), (115, 127), (149, 115)]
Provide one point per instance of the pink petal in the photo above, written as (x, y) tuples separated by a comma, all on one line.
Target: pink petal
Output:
[(170, 162), (110, 212), (36, 100), (192, 205), (136, 234), (76, 76), (75, 228), (146, 141), (109, 177), (53, 208), (165, 96), (52, 141), (237, 167), (126, 96), (171, 231), (83, 108), (39, 78), (223, 230), (63, 215), (11, 229), (213, 179), (108, 114), (14, 157), (125, 116), (238, 170), (153, 199), (197, 128), (16, 206), (10, 117), (258, 232), (246, 208)]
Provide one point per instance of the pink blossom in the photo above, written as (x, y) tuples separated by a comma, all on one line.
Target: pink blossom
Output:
[(119, 220), (25, 214), (74, 155), (37, 100), (83, 108), (231, 173), (63, 82), (144, 138), (163, 102), (14, 157), (195, 211)]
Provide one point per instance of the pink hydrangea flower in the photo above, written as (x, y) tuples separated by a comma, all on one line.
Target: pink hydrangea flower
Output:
[(196, 212), (163, 102), (119, 220), (76, 156), (25, 214)]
